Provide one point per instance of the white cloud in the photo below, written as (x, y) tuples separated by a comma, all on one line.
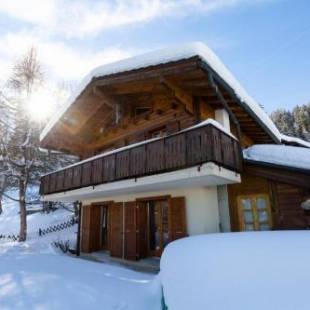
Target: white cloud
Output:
[(81, 17), (59, 60), (33, 11)]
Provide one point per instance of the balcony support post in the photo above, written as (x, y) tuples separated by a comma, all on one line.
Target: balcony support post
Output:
[(225, 104)]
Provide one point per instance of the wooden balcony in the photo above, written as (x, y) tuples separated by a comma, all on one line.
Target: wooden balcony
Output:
[(182, 150)]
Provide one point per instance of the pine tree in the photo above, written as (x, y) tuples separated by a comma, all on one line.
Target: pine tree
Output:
[(295, 123), (285, 121)]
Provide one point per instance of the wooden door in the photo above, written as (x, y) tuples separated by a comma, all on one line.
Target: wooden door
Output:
[(177, 218), (130, 235), (254, 212), (116, 229)]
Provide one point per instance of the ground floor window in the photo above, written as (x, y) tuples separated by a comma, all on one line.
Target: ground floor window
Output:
[(254, 212), (157, 230)]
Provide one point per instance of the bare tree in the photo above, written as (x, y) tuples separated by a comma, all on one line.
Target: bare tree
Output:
[(6, 129), (22, 161), (22, 150), (27, 73)]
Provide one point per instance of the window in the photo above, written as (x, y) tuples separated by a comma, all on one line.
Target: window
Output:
[(139, 111), (157, 133), (254, 212)]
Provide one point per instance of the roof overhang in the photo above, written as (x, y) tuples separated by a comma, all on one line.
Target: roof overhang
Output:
[(179, 58)]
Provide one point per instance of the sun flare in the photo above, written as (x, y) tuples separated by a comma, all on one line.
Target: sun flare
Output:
[(40, 105)]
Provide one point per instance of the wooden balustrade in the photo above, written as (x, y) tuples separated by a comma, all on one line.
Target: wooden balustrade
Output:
[(184, 149)]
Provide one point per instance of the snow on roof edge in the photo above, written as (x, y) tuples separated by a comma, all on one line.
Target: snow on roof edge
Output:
[(165, 56), (285, 138), (281, 155)]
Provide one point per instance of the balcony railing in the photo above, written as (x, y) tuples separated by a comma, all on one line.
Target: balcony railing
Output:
[(184, 149)]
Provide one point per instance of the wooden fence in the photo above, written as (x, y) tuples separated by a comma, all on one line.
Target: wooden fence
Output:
[(57, 227)]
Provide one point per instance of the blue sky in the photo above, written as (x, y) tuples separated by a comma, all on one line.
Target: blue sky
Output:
[(265, 43)]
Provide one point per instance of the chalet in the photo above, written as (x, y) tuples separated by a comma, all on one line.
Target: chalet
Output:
[(172, 145)]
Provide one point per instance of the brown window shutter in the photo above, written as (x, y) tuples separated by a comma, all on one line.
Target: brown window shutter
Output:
[(90, 229), (172, 127), (116, 229), (85, 229), (130, 236), (142, 241), (95, 219), (177, 218)]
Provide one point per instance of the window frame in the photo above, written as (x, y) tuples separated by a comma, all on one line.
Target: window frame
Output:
[(255, 211)]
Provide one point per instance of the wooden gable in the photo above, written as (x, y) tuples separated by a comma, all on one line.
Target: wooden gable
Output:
[(119, 109)]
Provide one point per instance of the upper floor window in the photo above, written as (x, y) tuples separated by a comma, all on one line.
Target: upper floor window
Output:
[(157, 133), (140, 111)]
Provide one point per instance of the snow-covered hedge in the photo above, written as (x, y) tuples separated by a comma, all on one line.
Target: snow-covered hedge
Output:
[(238, 271)]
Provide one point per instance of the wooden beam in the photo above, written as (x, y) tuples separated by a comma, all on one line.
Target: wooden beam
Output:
[(173, 68), (132, 88), (105, 98), (185, 98), (133, 128), (90, 107)]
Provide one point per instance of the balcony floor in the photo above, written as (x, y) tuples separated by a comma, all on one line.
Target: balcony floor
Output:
[(208, 174)]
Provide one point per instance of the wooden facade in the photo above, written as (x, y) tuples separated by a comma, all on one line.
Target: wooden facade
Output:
[(123, 108), (286, 189)]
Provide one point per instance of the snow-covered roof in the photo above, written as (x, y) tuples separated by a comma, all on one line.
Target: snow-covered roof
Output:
[(283, 155), (206, 122), (289, 139), (167, 55)]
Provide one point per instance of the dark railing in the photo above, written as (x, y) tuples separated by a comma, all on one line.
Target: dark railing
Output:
[(11, 237), (178, 151), (57, 227)]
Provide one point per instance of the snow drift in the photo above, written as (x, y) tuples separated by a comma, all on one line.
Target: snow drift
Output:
[(238, 271)]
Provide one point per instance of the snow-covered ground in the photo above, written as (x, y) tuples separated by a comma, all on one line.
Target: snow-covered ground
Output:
[(231, 271), (33, 275)]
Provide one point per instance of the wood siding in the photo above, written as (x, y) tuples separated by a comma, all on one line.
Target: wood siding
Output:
[(286, 190), (288, 199), (177, 151)]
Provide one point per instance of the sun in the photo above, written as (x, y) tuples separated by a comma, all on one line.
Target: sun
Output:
[(40, 105)]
